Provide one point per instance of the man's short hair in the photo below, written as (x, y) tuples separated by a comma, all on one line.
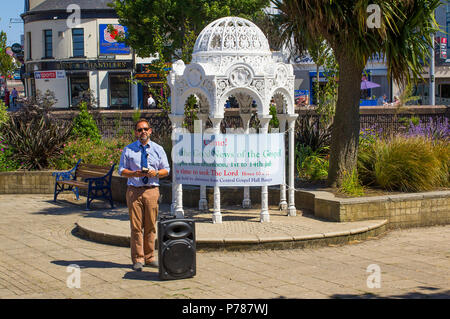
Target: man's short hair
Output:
[(140, 121)]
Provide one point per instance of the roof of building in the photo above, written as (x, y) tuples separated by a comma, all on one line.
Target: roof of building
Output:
[(51, 5)]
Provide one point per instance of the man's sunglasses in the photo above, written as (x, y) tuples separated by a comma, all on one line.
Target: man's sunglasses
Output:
[(143, 129)]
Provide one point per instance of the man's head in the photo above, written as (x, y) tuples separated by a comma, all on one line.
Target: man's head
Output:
[(142, 131)]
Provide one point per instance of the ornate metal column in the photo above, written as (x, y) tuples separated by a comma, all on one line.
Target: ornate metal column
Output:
[(264, 215), (217, 215), (283, 203), (203, 202), (177, 189), (245, 103), (292, 210)]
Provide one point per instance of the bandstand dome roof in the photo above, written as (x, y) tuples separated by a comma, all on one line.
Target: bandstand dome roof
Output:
[(231, 35)]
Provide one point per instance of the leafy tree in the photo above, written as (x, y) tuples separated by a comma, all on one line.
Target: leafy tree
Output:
[(7, 64), (403, 36)]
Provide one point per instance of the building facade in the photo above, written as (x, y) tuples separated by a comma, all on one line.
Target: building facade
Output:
[(68, 50)]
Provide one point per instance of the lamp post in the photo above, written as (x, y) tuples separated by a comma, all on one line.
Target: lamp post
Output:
[(432, 80)]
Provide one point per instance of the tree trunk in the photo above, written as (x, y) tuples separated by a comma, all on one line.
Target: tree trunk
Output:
[(345, 134)]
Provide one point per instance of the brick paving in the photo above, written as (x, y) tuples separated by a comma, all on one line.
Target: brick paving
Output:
[(37, 244)]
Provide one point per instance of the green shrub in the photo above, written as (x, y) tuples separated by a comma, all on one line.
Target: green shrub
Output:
[(351, 184), (405, 164), (274, 122), (312, 165), (407, 121), (84, 125), (442, 153), (3, 113), (313, 133), (35, 142), (103, 152), (6, 157)]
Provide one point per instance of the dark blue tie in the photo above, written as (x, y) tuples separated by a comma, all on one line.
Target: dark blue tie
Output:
[(144, 162)]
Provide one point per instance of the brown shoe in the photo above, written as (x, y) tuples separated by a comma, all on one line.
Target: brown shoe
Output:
[(153, 264)]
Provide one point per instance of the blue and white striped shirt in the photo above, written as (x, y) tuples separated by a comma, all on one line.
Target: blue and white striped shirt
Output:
[(131, 159)]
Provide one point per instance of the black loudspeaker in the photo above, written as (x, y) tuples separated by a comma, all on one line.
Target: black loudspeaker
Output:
[(176, 248)]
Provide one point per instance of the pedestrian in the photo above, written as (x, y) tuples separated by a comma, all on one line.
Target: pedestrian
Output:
[(396, 101), (14, 95), (143, 163), (151, 102), (7, 97), (382, 100)]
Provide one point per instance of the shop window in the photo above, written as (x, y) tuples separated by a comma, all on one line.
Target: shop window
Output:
[(445, 91), (79, 85), (119, 88), (33, 87)]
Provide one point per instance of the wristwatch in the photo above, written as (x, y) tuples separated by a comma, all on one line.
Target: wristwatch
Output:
[(157, 174)]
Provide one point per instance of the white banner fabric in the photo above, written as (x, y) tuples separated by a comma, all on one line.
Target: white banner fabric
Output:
[(229, 159)]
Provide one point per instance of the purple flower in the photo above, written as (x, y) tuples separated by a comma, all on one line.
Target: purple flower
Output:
[(436, 130)]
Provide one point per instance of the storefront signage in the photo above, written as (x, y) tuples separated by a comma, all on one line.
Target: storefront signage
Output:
[(144, 71), (108, 40), (45, 75), (229, 159), (97, 65)]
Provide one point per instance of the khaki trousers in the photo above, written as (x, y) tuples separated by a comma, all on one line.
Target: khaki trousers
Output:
[(143, 210)]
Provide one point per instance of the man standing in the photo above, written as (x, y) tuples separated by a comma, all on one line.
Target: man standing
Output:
[(151, 102), (143, 163), (14, 95)]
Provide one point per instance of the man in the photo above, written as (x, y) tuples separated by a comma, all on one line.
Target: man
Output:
[(151, 102), (382, 100), (143, 192), (14, 95)]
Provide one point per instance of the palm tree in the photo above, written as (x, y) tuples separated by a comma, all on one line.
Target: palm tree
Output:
[(403, 37)]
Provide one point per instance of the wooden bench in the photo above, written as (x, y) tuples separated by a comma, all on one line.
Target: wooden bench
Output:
[(96, 179)]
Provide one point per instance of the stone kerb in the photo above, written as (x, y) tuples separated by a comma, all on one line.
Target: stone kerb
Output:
[(401, 210)]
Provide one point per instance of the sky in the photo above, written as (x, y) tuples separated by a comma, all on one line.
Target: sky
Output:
[(11, 9)]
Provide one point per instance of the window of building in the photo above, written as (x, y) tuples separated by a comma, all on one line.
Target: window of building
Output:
[(48, 44), (119, 88), (445, 91), (32, 87), (78, 42), (79, 85), (29, 55)]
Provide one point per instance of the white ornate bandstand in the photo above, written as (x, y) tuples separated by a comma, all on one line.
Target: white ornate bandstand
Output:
[(232, 57)]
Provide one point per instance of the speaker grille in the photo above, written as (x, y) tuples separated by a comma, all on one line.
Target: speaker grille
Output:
[(179, 258)]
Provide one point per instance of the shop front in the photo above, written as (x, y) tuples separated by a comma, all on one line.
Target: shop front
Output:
[(149, 82), (108, 81)]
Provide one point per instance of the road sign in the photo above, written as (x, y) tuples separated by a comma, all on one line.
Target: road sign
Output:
[(16, 48)]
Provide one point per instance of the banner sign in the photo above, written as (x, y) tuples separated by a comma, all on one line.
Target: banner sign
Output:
[(229, 159), (43, 75), (108, 43)]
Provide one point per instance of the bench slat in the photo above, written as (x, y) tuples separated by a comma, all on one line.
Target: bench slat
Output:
[(90, 174), (75, 183), (94, 167)]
